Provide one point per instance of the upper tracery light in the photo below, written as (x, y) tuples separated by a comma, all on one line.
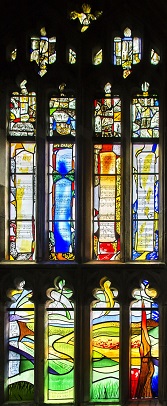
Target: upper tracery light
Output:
[(85, 17), (43, 51)]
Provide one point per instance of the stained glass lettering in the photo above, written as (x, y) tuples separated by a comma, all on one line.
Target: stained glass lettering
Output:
[(21, 345), (62, 201), (107, 201), (145, 202), (22, 201), (60, 345), (62, 116), (144, 343), (105, 331)]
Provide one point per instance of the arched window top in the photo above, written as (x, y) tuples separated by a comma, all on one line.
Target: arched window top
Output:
[(107, 114), (106, 295), (145, 295), (60, 296), (22, 120), (20, 296), (62, 114), (145, 114)]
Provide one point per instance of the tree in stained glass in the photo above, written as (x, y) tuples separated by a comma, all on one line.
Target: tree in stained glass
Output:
[(127, 51), (145, 206), (22, 120), (22, 201), (144, 352), (62, 201), (107, 201), (43, 51), (20, 344), (107, 115), (62, 116), (59, 376), (105, 333)]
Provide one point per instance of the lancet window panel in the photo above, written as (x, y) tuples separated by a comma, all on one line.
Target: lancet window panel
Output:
[(59, 344), (21, 324), (22, 121), (145, 161), (107, 115), (144, 351), (107, 201), (107, 176), (105, 344), (22, 211), (62, 201), (62, 116)]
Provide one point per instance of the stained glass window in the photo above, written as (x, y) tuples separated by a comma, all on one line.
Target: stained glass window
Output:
[(62, 201), (20, 344), (145, 176), (22, 113), (22, 125), (59, 377), (127, 51), (98, 57), (107, 115), (72, 56), (13, 54), (43, 51), (105, 332), (144, 352), (62, 116), (22, 201), (107, 177), (107, 201), (155, 57)]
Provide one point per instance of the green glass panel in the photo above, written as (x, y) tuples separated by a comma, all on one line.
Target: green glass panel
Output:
[(105, 331), (59, 376)]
